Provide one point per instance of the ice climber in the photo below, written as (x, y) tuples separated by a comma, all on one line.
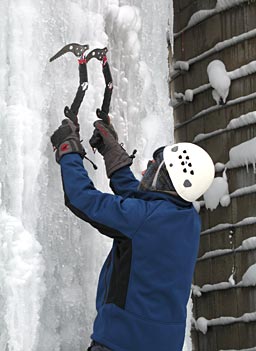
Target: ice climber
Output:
[(145, 282)]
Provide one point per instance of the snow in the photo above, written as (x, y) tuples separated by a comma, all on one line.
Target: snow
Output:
[(186, 65), (22, 283), (215, 198), (247, 244), (181, 65), (243, 155), (201, 15), (214, 108), (189, 95), (247, 119), (219, 167), (243, 120), (126, 21), (225, 200), (217, 193), (243, 71), (203, 324), (223, 226), (250, 349), (188, 340), (197, 206), (231, 279), (49, 260), (249, 277), (219, 80), (198, 291), (243, 191), (214, 253)]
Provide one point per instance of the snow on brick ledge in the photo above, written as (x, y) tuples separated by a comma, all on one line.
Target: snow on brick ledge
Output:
[(243, 155), (251, 349), (202, 324), (202, 15), (223, 226)]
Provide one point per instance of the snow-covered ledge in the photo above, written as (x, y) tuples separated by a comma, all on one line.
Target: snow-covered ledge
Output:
[(185, 65), (224, 226), (199, 16), (216, 108), (189, 94), (243, 155), (247, 245), (239, 122), (251, 349), (202, 324), (248, 280)]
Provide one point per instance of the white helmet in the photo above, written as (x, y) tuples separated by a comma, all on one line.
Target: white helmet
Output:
[(190, 168)]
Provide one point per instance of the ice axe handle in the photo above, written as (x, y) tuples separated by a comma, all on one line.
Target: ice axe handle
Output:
[(104, 116), (70, 114)]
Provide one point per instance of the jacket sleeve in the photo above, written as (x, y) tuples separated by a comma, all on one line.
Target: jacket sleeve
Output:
[(112, 215), (123, 182)]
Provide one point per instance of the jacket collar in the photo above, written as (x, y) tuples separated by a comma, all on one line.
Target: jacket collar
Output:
[(156, 195)]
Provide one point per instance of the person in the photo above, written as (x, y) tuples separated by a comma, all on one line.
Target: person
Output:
[(144, 284)]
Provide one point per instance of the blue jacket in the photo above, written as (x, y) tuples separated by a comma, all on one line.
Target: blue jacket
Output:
[(144, 284)]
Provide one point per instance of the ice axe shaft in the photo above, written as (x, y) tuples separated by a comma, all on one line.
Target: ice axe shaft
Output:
[(100, 54)]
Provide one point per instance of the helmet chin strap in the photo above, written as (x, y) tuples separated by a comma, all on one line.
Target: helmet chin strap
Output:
[(156, 175)]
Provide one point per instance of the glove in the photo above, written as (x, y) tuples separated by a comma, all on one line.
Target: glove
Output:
[(66, 139), (105, 140), (97, 141)]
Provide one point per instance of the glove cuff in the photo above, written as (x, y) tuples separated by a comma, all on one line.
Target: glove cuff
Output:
[(69, 146), (115, 159)]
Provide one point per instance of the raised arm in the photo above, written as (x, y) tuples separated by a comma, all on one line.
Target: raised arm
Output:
[(112, 215), (123, 182)]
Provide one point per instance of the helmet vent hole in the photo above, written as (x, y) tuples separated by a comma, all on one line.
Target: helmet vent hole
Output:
[(180, 157), (185, 170), (192, 173), (190, 164), (187, 184), (183, 163), (185, 151), (175, 149), (187, 157), (171, 165)]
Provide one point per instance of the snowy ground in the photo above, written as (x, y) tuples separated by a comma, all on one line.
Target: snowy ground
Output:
[(49, 260)]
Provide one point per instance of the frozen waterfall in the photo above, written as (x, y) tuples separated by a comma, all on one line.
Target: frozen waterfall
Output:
[(50, 260)]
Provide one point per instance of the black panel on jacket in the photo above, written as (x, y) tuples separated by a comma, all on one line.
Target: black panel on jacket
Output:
[(120, 273), (120, 276)]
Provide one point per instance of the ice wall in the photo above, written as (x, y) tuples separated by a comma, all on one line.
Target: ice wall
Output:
[(49, 260)]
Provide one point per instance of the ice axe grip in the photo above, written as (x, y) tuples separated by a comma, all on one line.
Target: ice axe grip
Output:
[(70, 114), (103, 115)]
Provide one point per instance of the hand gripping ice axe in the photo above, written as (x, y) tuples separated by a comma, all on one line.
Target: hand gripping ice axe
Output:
[(100, 54)]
